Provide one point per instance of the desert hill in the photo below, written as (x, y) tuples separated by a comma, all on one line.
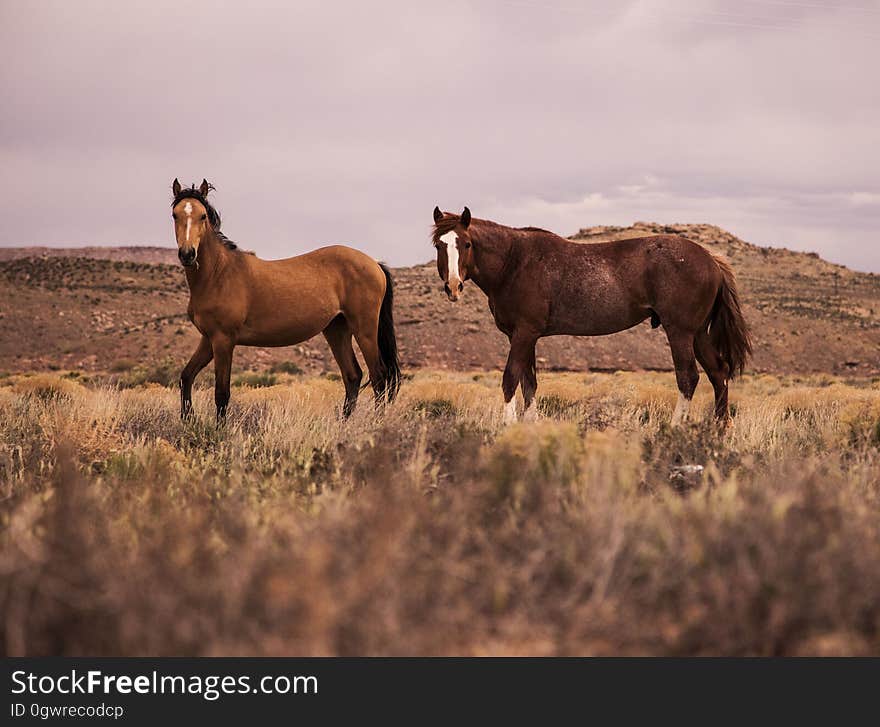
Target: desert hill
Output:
[(99, 309), (134, 253)]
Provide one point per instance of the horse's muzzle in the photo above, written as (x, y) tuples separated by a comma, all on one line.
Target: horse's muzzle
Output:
[(453, 293), (187, 256)]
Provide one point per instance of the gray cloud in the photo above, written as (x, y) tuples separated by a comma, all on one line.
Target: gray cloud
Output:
[(347, 122)]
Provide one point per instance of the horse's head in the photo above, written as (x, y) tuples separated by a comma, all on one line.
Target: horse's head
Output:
[(455, 250), (193, 217)]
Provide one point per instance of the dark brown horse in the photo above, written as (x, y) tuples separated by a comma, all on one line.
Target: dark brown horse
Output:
[(236, 299), (540, 284)]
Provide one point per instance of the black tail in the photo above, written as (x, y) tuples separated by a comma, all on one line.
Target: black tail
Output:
[(728, 330), (388, 340)]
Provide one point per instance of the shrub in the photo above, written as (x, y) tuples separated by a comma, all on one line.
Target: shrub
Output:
[(255, 379), (165, 373), (123, 364), (556, 407), (46, 386), (434, 408), (286, 367)]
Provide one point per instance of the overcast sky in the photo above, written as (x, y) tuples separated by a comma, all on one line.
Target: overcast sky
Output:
[(323, 122)]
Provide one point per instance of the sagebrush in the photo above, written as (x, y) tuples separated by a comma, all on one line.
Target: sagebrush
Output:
[(429, 528)]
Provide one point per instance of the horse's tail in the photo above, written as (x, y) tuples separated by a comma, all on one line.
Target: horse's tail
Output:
[(728, 330), (388, 340)]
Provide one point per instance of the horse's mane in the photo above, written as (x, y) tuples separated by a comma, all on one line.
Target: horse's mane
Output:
[(449, 222), (446, 224), (213, 214)]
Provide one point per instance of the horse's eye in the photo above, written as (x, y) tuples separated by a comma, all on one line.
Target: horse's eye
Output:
[(467, 245), (204, 217)]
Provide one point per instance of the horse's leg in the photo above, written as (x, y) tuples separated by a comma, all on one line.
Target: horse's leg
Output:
[(223, 347), (369, 345), (717, 370), (529, 385), (686, 375), (338, 335), (522, 349), (201, 358)]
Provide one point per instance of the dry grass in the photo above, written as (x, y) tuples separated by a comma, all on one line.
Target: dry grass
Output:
[(434, 530)]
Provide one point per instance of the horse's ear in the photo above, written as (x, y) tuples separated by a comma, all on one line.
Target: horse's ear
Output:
[(175, 187), (204, 188), (438, 215), (465, 218)]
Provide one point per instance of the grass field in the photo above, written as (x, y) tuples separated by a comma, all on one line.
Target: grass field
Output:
[(433, 529)]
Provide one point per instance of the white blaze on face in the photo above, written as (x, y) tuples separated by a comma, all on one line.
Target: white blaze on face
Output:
[(188, 208), (452, 275)]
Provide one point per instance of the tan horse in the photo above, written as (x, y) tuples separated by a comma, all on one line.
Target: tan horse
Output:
[(236, 299)]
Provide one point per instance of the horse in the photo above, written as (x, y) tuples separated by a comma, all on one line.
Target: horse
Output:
[(540, 284), (237, 299)]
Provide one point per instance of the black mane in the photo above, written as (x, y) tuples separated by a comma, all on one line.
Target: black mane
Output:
[(213, 214)]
